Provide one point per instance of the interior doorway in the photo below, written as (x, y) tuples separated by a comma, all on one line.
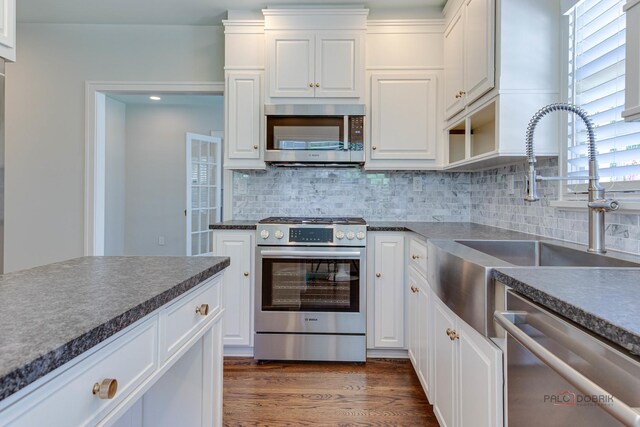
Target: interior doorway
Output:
[(137, 176)]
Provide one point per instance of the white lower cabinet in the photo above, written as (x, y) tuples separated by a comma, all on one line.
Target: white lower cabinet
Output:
[(467, 373), (185, 388), (238, 285), (419, 327), (385, 288)]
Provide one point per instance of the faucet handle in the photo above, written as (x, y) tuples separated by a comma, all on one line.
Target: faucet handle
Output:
[(605, 205)]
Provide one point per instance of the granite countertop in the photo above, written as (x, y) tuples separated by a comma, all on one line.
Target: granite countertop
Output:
[(450, 230), (53, 313), (234, 225), (603, 300)]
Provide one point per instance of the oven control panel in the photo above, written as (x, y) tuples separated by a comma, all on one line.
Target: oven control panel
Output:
[(311, 235)]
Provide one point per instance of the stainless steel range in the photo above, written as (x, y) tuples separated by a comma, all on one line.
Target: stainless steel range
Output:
[(310, 289)]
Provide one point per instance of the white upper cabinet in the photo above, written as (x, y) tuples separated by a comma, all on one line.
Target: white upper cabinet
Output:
[(310, 64), (469, 54), (501, 66), (454, 65), (404, 94), (339, 65), (244, 118), (315, 53), (403, 116), (632, 64), (244, 89), (291, 64), (8, 29)]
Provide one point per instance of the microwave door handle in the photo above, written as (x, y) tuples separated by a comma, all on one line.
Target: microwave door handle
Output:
[(618, 409), (345, 132)]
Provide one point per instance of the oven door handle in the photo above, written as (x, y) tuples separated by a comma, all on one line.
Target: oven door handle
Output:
[(618, 409), (308, 254)]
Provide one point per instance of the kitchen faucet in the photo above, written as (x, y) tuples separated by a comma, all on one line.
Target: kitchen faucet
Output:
[(597, 203)]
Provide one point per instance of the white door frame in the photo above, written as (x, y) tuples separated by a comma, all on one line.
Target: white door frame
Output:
[(94, 186)]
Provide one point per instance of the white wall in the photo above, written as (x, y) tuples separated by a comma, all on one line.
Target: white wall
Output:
[(156, 173), (45, 119), (115, 146)]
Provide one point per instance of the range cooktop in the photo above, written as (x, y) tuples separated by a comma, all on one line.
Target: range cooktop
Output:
[(313, 220)]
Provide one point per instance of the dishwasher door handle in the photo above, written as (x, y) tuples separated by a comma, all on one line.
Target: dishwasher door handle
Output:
[(618, 409)]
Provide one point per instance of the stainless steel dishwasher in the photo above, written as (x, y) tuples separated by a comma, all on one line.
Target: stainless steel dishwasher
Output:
[(557, 374)]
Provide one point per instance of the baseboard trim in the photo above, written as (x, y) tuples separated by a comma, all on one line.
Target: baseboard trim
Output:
[(376, 353)]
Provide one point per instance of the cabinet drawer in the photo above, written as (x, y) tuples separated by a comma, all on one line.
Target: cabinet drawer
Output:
[(181, 320), (68, 400), (418, 255)]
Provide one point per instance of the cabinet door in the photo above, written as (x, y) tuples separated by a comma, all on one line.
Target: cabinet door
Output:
[(454, 66), (413, 327), (444, 367), (237, 286), (480, 379), (389, 290), (291, 58), (479, 48), (244, 118), (403, 116), (424, 335), (338, 65)]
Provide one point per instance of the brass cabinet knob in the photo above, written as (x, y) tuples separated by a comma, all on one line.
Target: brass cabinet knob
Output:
[(452, 334), (317, 84), (310, 84), (462, 93), (415, 256), (106, 389), (203, 310), (374, 148), (378, 274), (246, 274), (255, 147)]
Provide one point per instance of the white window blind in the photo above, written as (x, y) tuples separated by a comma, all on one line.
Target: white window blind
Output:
[(596, 83)]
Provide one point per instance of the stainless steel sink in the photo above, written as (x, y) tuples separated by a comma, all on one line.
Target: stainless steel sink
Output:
[(460, 272), (543, 254)]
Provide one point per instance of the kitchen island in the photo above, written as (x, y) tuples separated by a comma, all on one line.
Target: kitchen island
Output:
[(71, 328)]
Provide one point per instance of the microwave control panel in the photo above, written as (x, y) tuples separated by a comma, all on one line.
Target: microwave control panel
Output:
[(356, 132)]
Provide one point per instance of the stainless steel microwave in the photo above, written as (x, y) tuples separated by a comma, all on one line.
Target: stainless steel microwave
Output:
[(302, 134)]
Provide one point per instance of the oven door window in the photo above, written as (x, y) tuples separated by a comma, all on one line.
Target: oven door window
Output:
[(310, 285)]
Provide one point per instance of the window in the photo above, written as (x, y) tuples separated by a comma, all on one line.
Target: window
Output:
[(596, 74)]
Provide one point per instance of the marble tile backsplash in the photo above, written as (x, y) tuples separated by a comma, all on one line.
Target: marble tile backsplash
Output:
[(376, 196), (494, 203), (485, 197)]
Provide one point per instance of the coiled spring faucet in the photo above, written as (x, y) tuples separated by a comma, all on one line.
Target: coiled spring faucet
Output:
[(597, 203)]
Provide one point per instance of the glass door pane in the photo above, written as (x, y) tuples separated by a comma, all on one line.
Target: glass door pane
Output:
[(310, 285)]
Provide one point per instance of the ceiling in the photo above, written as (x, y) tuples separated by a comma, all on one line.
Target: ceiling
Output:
[(189, 12), (167, 99)]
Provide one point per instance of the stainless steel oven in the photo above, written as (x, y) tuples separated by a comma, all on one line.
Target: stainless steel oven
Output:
[(310, 300)]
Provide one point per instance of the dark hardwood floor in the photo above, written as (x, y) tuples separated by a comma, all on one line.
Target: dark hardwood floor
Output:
[(381, 392)]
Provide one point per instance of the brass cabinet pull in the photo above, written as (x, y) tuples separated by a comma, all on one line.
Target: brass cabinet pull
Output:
[(203, 309), (317, 84), (310, 84), (255, 147), (378, 274), (415, 256), (462, 93), (374, 147), (106, 389), (246, 274)]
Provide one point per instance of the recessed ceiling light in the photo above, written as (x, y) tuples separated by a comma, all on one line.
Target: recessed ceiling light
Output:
[(155, 98)]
